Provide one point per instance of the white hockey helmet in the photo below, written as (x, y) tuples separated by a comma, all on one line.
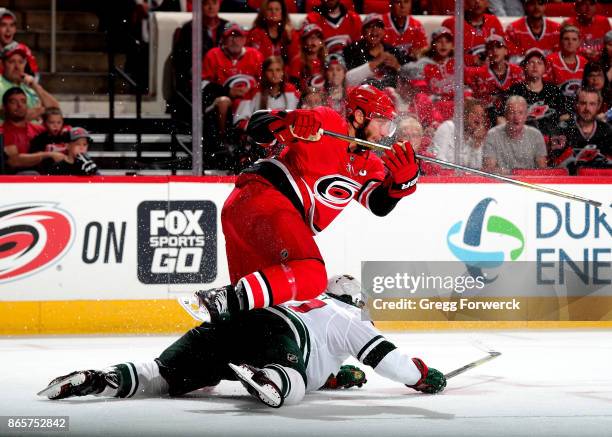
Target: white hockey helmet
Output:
[(345, 288)]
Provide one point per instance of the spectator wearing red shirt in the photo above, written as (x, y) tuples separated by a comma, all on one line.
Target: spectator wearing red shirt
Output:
[(592, 27), (8, 29), (404, 31), (306, 68), (489, 82), (478, 26), (18, 132), (272, 31), (340, 26), (533, 31), (566, 67)]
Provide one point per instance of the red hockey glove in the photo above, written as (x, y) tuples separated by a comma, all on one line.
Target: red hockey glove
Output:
[(403, 168), (304, 124), (432, 380)]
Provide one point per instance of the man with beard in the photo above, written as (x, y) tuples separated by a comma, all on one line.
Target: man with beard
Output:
[(546, 103), (533, 31), (370, 57), (279, 204)]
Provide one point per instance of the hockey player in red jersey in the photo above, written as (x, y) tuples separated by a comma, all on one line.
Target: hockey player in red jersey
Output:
[(279, 204)]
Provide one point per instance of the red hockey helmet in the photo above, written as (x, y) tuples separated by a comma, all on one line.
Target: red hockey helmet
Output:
[(372, 101)]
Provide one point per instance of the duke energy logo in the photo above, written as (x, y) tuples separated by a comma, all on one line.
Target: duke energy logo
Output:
[(487, 241), (177, 242), (32, 237)]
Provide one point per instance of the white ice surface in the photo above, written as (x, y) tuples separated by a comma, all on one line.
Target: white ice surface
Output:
[(545, 384)]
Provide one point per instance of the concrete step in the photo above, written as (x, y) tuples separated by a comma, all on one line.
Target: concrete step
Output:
[(76, 62), (70, 21), (65, 41), (81, 83)]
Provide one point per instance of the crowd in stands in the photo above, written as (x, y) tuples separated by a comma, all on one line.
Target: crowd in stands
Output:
[(34, 137), (537, 93)]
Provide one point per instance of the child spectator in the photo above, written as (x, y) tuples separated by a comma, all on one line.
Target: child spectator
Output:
[(8, 29), (546, 105), (478, 26), (489, 82), (566, 67), (53, 139), (533, 31), (272, 93), (272, 31), (77, 162), (404, 31), (370, 57), (14, 59), (595, 79), (306, 69), (18, 132), (335, 83), (340, 26), (592, 28)]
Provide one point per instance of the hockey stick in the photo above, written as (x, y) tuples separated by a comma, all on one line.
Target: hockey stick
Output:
[(371, 145), (460, 370)]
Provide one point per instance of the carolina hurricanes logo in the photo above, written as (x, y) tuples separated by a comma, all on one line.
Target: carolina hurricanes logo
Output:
[(569, 87), (540, 110), (336, 191), (240, 80), (336, 43), (316, 81), (32, 237)]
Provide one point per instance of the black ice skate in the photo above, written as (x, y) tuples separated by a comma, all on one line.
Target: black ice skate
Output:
[(80, 383), (217, 304), (259, 385)]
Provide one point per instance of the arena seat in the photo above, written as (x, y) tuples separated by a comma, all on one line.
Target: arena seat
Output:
[(588, 171), (540, 172)]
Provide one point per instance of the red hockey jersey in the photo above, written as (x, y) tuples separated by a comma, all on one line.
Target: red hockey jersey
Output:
[(217, 67), (489, 88), (412, 37), (339, 35), (520, 38), (591, 36), (474, 38), (567, 78)]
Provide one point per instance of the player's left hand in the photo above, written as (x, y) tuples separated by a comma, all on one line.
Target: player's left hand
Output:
[(432, 380), (304, 124), (403, 168), (348, 376)]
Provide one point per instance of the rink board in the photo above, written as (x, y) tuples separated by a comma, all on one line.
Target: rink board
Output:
[(99, 262)]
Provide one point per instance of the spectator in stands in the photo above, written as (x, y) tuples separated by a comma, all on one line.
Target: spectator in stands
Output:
[(18, 132), (533, 31), (335, 83), (271, 93), (606, 55), (340, 26), (490, 82), (14, 61), (514, 145), (403, 30), (229, 72), (272, 31), (410, 130), (478, 26), (212, 33), (595, 78), (566, 67), (53, 138), (506, 8), (546, 104), (475, 127), (306, 69), (584, 129), (371, 57), (592, 28), (76, 162), (8, 29), (311, 97)]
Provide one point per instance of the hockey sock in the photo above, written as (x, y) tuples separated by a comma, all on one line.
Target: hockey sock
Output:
[(289, 380), (296, 280), (137, 380)]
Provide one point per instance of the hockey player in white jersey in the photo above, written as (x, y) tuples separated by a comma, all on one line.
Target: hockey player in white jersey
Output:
[(278, 353)]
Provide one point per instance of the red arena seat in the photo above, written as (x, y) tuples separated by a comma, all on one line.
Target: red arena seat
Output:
[(586, 171), (540, 172)]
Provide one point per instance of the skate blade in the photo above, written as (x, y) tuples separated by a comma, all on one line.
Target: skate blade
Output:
[(55, 389), (193, 308), (245, 376)]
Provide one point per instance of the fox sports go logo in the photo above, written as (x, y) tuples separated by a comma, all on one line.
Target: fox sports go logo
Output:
[(32, 237)]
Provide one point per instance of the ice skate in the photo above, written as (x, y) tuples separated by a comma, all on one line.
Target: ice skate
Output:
[(258, 384), (79, 383)]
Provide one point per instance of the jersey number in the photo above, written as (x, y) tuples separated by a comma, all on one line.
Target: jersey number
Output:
[(310, 305)]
